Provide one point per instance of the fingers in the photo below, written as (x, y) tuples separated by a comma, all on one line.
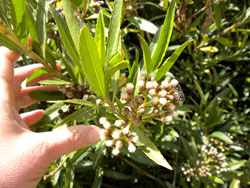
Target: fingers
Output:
[(24, 99), (32, 117), (69, 139), (7, 60)]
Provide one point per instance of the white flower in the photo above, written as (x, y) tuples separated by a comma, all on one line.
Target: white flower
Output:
[(103, 134), (163, 101), (141, 83), (152, 92), (164, 83), (174, 82), (103, 120), (131, 147), (125, 131), (110, 143), (163, 93), (116, 134), (107, 125), (115, 151), (149, 85)]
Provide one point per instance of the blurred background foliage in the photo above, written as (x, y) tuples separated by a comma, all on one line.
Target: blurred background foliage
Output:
[(209, 144)]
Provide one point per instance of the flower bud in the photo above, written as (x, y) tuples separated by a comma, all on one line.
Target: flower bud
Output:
[(120, 123), (163, 93), (156, 111), (141, 110), (125, 111), (170, 107), (116, 134), (139, 99), (110, 143), (152, 92), (164, 83), (133, 138), (155, 101), (133, 105), (103, 120), (115, 151), (132, 115), (166, 119), (174, 83), (125, 131), (149, 85), (163, 101), (107, 125), (131, 147), (130, 88), (119, 144)]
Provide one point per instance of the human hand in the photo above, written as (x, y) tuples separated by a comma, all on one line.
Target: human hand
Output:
[(25, 155)]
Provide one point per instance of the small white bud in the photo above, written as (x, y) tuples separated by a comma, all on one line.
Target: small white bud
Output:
[(155, 101), (155, 85), (98, 101), (149, 85), (152, 92), (131, 147), (102, 120), (116, 134), (133, 138), (163, 101), (115, 151), (164, 83), (174, 82), (152, 76), (141, 83), (107, 125), (163, 93), (130, 88), (103, 134), (118, 123), (125, 130), (110, 143), (119, 144)]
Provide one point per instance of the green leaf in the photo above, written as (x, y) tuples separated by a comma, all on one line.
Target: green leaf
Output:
[(42, 14), (5, 41), (143, 24), (71, 21), (85, 5), (84, 113), (224, 41), (114, 30), (222, 136), (66, 38), (92, 66), (19, 8), (112, 69), (164, 38), (149, 148), (39, 72), (100, 37), (146, 55), (166, 66), (98, 177), (44, 95), (236, 165), (211, 49), (216, 179), (3, 13), (69, 177), (79, 101), (116, 175), (217, 15), (235, 183), (115, 84)]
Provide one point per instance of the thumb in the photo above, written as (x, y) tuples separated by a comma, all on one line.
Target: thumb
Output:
[(69, 139)]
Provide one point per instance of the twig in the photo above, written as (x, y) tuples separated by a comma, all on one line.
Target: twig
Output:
[(45, 177), (143, 172)]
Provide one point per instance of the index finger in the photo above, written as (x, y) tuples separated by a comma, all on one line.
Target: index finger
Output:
[(7, 60)]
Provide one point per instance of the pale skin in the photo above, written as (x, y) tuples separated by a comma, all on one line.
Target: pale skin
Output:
[(25, 155)]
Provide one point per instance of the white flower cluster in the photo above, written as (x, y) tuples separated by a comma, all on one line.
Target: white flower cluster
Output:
[(162, 97), (116, 134)]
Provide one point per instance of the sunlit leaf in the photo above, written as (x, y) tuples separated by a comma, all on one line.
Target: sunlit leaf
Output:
[(222, 136), (143, 24), (146, 55), (211, 49), (92, 66), (149, 148)]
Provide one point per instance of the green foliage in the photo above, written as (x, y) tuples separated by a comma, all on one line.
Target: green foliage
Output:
[(97, 46)]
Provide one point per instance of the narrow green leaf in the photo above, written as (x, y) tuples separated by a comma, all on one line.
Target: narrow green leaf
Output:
[(42, 14), (92, 66), (85, 5), (114, 30), (43, 95), (222, 136), (3, 13), (149, 148), (66, 38), (71, 21), (164, 37), (98, 177), (69, 177), (79, 101), (116, 175), (217, 15), (216, 179), (115, 84), (112, 69), (235, 183), (39, 72), (31, 24), (133, 71), (166, 66), (143, 24), (213, 114), (100, 37), (83, 113), (115, 59), (19, 8), (5, 41), (236, 165), (146, 55), (224, 41)]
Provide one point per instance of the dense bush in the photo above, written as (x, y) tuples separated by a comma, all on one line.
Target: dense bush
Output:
[(206, 146)]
